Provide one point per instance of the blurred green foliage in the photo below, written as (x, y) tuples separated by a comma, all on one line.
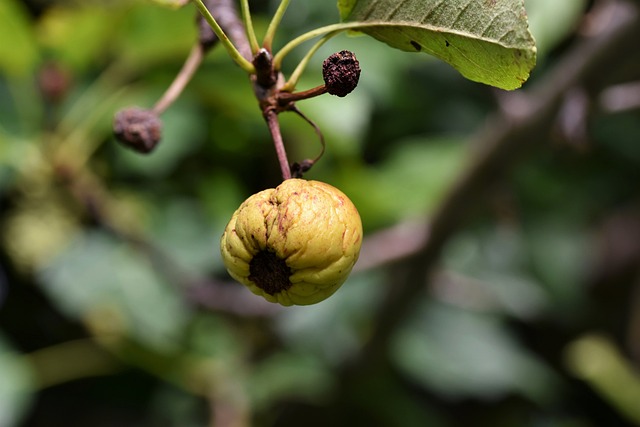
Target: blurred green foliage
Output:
[(531, 319)]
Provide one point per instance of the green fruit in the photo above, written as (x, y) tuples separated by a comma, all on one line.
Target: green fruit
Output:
[(295, 244)]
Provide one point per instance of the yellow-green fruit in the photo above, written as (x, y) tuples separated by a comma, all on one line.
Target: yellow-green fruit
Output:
[(293, 244)]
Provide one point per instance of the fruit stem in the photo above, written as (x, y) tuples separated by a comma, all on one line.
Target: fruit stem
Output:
[(231, 49), (267, 43), (182, 79), (248, 24), (271, 116), (290, 85), (288, 97)]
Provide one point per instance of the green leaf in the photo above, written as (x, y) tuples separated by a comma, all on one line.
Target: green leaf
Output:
[(104, 279), (345, 7), (60, 28), (290, 375), (143, 38), (487, 41), (19, 52), (303, 329), (459, 353), (187, 235), (387, 193), (16, 385)]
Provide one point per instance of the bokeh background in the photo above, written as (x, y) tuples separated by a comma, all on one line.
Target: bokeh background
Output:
[(499, 279)]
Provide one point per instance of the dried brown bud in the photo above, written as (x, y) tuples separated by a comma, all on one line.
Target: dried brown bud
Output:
[(137, 129), (341, 72), (54, 82)]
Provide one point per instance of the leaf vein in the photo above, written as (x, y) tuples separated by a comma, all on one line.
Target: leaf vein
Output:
[(460, 13), (426, 18), (488, 27), (398, 7), (372, 9)]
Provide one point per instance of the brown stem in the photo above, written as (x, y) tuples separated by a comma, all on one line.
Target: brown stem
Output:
[(288, 97), (316, 129), (620, 98), (185, 75), (90, 193), (271, 116), (298, 169), (392, 245)]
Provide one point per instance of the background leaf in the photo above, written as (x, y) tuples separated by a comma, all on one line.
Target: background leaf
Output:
[(16, 384), (61, 27), (463, 353), (538, 285), (99, 277), (345, 7), (487, 41), (551, 21), (18, 50)]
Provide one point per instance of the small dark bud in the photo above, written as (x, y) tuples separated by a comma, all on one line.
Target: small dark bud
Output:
[(263, 62), (299, 169), (341, 72), (137, 129), (54, 82)]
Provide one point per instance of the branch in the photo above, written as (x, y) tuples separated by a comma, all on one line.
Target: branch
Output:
[(621, 98), (203, 292), (528, 121), (391, 245), (226, 14), (185, 75), (230, 47)]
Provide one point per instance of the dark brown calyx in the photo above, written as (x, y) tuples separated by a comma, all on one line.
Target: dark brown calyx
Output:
[(341, 73), (137, 129), (269, 272)]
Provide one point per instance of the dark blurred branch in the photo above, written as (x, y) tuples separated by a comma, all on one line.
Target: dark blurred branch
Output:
[(210, 294), (203, 292), (620, 98), (391, 245), (226, 14), (524, 124), (228, 410)]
